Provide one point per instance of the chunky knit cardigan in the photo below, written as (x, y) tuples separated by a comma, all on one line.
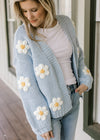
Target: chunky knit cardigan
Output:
[(40, 79)]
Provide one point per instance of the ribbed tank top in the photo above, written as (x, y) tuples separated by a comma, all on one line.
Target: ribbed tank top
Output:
[(62, 49)]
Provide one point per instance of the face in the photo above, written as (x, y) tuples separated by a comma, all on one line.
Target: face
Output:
[(34, 12)]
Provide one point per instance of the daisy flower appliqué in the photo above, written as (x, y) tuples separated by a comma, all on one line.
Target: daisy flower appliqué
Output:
[(56, 104), (86, 71), (23, 83), (41, 113), (42, 71), (22, 46)]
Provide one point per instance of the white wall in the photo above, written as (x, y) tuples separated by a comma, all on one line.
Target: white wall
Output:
[(5, 75), (65, 7)]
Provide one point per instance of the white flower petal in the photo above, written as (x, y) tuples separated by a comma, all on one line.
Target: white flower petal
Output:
[(47, 73), (25, 51), (44, 108), (19, 51), (24, 42), (51, 105), (21, 78), (59, 108), (54, 109), (25, 89), (42, 76), (43, 118), (46, 67), (37, 73), (27, 79), (38, 112), (35, 112), (58, 99), (54, 99), (38, 117), (24, 80), (46, 112), (56, 104), (28, 84), (27, 47), (36, 69), (19, 86), (42, 73), (19, 42), (39, 108), (61, 102), (41, 66)]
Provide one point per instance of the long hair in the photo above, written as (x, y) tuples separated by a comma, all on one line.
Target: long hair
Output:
[(49, 7)]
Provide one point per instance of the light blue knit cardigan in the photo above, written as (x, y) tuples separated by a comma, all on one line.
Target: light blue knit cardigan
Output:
[(40, 79)]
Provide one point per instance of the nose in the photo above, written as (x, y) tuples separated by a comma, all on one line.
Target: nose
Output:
[(29, 15)]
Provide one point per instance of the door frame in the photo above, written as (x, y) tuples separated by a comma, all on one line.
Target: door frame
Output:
[(89, 126)]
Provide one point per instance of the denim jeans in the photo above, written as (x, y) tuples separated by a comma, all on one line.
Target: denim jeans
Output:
[(64, 127)]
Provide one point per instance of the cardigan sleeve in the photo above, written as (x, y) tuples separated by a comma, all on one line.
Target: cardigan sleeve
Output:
[(34, 103), (85, 76), (84, 73)]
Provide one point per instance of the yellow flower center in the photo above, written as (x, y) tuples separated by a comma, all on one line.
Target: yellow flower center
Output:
[(41, 113), (56, 104), (42, 71), (22, 84), (22, 46), (88, 71)]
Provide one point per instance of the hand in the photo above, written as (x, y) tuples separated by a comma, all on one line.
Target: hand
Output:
[(82, 88), (47, 135)]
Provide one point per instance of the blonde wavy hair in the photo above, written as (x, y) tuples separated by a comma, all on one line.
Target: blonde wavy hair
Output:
[(49, 7)]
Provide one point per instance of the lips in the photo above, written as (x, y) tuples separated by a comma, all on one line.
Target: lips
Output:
[(32, 21)]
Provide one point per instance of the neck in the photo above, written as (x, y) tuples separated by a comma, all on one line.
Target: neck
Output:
[(53, 24)]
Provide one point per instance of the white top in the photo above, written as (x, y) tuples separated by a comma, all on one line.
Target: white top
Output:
[(62, 49)]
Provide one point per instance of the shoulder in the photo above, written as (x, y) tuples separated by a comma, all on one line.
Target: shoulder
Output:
[(21, 42), (20, 31), (63, 18), (20, 35)]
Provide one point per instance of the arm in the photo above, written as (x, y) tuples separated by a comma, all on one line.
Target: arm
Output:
[(34, 103), (85, 76)]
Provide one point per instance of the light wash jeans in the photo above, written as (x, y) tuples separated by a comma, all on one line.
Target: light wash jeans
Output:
[(64, 127)]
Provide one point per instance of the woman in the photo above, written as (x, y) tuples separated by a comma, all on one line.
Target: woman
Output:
[(50, 69)]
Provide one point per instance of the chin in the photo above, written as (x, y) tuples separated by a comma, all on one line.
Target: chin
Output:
[(35, 25)]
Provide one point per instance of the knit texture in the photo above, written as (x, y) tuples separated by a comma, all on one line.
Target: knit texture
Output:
[(40, 78)]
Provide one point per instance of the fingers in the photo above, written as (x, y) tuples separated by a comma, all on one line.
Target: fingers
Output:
[(51, 134), (80, 92), (82, 88), (43, 135), (47, 135)]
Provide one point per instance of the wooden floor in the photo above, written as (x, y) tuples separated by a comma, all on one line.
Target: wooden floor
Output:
[(13, 123)]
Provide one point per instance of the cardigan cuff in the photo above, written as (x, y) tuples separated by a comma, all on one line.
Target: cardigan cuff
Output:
[(88, 84), (42, 130)]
